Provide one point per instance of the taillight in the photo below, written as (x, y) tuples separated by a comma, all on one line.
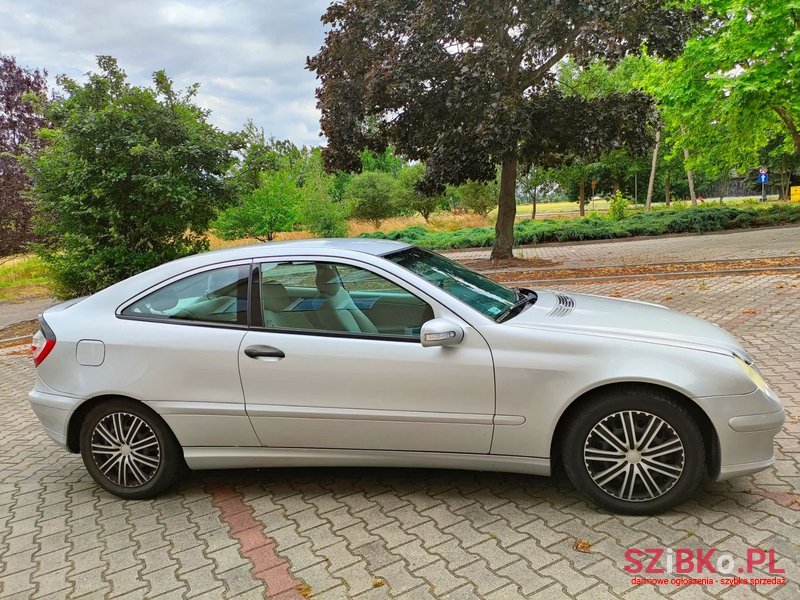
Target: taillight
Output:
[(43, 342)]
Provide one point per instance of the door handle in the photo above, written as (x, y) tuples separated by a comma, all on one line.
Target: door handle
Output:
[(264, 352)]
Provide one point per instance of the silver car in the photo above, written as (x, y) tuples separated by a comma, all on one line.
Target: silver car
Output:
[(375, 353)]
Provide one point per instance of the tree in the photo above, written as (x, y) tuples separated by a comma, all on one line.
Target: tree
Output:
[(477, 197), (412, 197), (385, 162), (529, 183), (734, 88), (130, 178), (456, 84), (371, 196), (22, 95), (322, 208), (271, 208)]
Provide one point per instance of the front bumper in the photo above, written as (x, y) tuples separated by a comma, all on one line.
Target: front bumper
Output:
[(54, 412), (745, 427)]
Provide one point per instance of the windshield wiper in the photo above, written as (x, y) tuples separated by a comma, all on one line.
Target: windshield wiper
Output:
[(527, 298)]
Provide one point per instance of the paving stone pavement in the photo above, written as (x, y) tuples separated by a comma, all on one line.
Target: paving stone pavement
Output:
[(753, 243), (379, 533)]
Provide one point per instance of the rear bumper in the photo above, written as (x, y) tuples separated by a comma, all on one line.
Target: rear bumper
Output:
[(53, 412), (745, 427)]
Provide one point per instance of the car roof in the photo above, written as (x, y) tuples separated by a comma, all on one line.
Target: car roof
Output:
[(376, 247)]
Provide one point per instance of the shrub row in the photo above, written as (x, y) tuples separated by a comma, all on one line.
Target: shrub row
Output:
[(596, 227)]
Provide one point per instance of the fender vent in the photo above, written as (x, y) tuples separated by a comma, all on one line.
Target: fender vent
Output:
[(564, 306)]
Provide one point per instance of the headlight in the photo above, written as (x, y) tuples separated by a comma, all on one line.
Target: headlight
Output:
[(753, 374)]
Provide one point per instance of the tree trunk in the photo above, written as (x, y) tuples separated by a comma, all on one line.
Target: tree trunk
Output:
[(651, 184), (533, 205), (667, 191), (582, 197), (506, 211), (617, 187), (790, 125), (689, 175)]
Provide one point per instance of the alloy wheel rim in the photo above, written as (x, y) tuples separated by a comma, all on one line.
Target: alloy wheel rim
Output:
[(634, 455), (125, 449)]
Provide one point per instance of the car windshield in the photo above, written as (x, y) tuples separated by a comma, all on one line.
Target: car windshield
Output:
[(473, 289)]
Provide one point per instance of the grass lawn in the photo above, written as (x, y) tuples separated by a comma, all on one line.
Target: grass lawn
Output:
[(23, 277)]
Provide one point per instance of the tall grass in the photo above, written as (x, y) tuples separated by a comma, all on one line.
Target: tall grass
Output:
[(23, 276)]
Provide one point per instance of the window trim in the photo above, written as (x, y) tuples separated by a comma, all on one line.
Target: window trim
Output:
[(383, 337), (178, 277)]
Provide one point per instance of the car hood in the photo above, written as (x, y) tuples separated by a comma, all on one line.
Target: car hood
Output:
[(624, 319)]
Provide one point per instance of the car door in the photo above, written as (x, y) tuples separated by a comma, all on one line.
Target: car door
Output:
[(329, 367), (175, 348)]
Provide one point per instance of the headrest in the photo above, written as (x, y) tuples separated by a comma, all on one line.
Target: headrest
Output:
[(164, 299), (219, 281), (328, 280), (274, 296)]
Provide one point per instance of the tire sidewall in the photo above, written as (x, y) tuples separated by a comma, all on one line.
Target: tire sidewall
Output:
[(165, 474), (659, 405)]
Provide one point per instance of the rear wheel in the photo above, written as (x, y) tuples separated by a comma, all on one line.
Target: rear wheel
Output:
[(129, 450), (634, 451)]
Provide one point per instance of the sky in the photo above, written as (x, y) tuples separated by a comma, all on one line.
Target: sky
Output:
[(248, 57)]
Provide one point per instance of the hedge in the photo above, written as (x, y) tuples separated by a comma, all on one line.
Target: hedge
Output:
[(595, 227)]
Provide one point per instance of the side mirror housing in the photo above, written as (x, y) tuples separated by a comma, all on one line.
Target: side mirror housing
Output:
[(441, 332)]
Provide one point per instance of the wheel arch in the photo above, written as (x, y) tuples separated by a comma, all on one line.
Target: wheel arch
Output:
[(79, 415), (710, 438)]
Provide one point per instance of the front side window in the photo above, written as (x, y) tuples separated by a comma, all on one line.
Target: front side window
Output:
[(320, 296), (216, 296), (481, 293)]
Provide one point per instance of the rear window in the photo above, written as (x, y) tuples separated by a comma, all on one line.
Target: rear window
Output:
[(216, 296)]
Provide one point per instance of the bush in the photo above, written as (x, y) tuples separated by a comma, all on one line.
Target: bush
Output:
[(371, 197), (130, 178), (270, 208), (411, 198), (618, 207), (324, 217), (477, 197), (683, 220)]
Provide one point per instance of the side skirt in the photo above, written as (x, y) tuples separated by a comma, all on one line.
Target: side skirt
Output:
[(199, 458)]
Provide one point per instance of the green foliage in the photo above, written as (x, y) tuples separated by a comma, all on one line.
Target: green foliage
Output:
[(324, 218), (411, 197), (130, 178), (688, 220), (372, 197), (269, 209), (618, 207), (477, 197), (385, 162), (734, 87), (466, 86), (322, 208)]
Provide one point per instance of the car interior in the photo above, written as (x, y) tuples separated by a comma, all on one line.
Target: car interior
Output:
[(331, 297), (307, 296)]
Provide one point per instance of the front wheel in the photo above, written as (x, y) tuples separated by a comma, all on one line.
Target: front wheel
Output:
[(129, 450), (634, 451)]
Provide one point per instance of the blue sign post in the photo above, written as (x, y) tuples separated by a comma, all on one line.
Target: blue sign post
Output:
[(763, 179)]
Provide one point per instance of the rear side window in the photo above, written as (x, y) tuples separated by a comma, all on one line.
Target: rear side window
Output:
[(216, 296)]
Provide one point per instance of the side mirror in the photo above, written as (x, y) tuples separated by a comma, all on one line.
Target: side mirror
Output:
[(441, 332)]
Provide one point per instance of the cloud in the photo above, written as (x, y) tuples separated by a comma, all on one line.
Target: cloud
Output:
[(249, 57)]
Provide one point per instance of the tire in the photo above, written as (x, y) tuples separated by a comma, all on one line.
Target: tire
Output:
[(642, 474), (146, 464)]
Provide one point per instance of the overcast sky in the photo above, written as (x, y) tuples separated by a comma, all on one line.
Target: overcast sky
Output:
[(249, 57)]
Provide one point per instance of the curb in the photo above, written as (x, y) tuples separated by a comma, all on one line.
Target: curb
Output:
[(676, 275)]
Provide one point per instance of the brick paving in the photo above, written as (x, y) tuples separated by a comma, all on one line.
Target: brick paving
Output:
[(381, 533)]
